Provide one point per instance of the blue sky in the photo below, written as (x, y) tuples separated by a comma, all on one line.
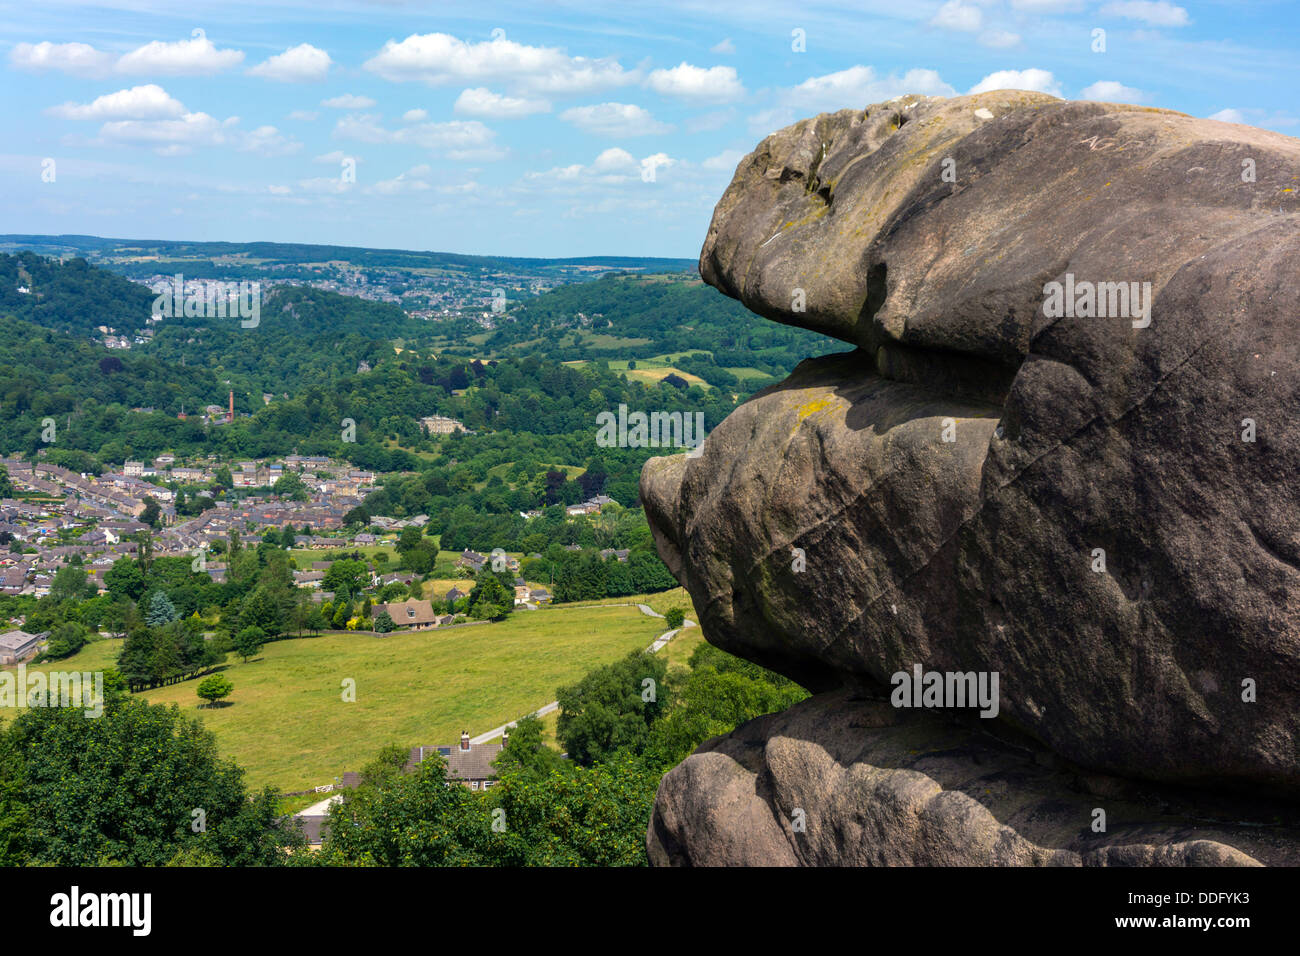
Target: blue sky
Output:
[(541, 128)]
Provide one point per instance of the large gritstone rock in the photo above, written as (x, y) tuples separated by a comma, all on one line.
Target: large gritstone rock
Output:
[(1066, 450), (838, 781)]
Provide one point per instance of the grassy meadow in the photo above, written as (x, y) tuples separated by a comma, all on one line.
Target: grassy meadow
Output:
[(287, 725)]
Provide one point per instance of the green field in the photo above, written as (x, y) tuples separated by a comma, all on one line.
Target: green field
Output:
[(288, 726)]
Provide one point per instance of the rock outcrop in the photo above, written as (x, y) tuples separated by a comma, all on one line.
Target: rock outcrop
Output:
[(1065, 449), (838, 781)]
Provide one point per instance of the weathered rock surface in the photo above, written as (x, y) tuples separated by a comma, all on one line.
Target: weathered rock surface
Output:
[(838, 781), (1072, 433)]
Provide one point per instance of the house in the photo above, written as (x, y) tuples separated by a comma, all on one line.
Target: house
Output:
[(441, 425), (591, 506), (541, 596), (17, 646), (133, 469), (410, 615), (469, 764), (619, 553), (454, 595), (522, 593)]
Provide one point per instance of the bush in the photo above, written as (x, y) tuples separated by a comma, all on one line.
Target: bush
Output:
[(213, 688)]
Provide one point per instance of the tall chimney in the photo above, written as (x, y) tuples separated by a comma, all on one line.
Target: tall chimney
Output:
[(230, 415), (464, 740)]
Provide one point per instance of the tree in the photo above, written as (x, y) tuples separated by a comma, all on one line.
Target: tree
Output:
[(70, 584), (213, 688), (384, 624), (613, 707), (290, 485), (79, 809), (674, 618), (263, 611), (409, 819), (346, 578), (409, 538), (6, 486), (125, 580), (249, 641), (65, 640), (161, 610), (342, 614), (526, 749), (490, 598), (152, 513)]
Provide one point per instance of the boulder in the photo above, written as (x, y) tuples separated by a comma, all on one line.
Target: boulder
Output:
[(1100, 501), (839, 780)]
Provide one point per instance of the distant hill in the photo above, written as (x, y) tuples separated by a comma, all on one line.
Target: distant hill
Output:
[(138, 257), (640, 318), (70, 297)]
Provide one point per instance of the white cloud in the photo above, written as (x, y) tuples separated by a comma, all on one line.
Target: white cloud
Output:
[(413, 180), (415, 116), (723, 47), (326, 184), (613, 166), (725, 160), (955, 15), (1035, 80), (1228, 116), (171, 137), (77, 58), (148, 116), (466, 140), (268, 141), (303, 63), (1110, 91), (139, 102), (480, 101), (305, 116), (334, 157), (348, 101), (999, 39), (715, 83), (1158, 13), (194, 57), (614, 120), (1047, 6), (858, 86), (612, 160), (854, 88), (440, 59)]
